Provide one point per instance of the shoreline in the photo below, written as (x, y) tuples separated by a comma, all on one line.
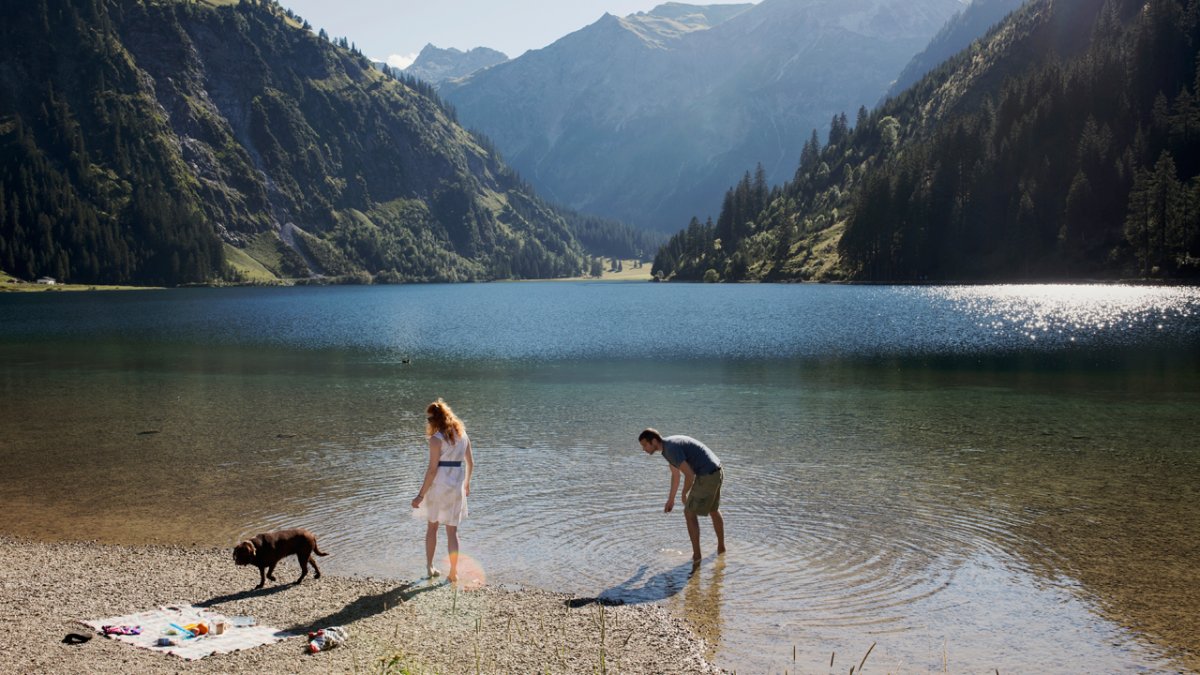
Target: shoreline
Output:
[(32, 287), (26, 287), (395, 626)]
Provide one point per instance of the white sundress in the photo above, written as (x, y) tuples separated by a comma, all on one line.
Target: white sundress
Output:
[(446, 502)]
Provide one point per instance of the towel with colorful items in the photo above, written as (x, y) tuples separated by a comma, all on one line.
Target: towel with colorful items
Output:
[(187, 631)]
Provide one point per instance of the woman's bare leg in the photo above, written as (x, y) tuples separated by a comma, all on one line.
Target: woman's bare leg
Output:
[(452, 544), (431, 548)]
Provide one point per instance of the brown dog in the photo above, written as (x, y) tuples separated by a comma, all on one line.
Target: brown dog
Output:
[(266, 550)]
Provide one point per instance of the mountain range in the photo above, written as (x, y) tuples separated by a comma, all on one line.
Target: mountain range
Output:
[(648, 118), (436, 65), (1063, 144), (185, 141)]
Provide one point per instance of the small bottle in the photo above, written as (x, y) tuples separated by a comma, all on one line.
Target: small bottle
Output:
[(316, 641)]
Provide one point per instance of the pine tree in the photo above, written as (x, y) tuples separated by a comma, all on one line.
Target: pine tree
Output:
[(1138, 220), (1167, 211), (810, 155)]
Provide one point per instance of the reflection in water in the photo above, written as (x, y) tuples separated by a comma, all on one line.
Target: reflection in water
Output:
[(1123, 525), (904, 473), (702, 603)]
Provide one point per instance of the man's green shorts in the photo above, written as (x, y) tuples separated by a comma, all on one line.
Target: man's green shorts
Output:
[(705, 496)]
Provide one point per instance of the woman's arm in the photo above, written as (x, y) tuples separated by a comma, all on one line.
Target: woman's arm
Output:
[(470, 468), (435, 453)]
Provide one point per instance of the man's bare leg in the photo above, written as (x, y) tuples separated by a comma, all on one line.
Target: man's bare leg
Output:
[(719, 528), (693, 527)]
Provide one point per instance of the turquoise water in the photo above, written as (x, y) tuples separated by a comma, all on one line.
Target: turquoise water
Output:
[(975, 478)]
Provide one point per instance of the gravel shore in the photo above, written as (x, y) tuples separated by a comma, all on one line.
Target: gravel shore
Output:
[(395, 626)]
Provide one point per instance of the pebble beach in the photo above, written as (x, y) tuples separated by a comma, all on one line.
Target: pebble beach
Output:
[(395, 626)]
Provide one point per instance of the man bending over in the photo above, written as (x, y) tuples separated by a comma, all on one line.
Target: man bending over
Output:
[(702, 478)]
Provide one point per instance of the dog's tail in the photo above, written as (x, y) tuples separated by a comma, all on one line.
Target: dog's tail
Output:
[(317, 550)]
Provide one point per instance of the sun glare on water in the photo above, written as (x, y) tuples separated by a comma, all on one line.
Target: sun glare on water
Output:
[(1072, 313)]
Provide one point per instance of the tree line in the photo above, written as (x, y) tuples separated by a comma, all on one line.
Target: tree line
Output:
[(90, 190), (1083, 163)]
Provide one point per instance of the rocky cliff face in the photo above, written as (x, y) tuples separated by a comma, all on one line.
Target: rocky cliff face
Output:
[(650, 117), (435, 65)]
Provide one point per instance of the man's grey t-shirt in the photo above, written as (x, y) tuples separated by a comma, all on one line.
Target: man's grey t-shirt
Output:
[(677, 449)]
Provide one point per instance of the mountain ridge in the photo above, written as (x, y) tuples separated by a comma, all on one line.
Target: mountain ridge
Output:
[(183, 138), (959, 32), (1058, 146), (647, 130), (435, 65)]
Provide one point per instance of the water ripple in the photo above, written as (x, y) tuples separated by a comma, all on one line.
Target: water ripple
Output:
[(886, 476)]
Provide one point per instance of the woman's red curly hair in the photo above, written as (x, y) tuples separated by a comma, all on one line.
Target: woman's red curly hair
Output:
[(441, 418)]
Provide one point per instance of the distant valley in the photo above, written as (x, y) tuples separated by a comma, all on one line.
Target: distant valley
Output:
[(649, 118)]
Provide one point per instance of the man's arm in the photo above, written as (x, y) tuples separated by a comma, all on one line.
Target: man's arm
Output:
[(689, 477), (674, 487)]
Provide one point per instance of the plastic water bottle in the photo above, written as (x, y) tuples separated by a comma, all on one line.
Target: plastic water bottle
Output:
[(326, 639), (316, 642)]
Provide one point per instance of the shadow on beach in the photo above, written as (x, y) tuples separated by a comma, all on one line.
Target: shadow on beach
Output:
[(640, 588), (363, 607), (368, 605), (243, 595)]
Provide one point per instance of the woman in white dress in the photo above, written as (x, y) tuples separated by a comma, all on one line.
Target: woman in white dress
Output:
[(447, 482)]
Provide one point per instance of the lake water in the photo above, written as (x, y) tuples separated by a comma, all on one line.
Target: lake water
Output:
[(970, 478)]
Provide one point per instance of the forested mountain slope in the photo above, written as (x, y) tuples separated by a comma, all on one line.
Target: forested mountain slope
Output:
[(972, 23), (176, 141), (1065, 144)]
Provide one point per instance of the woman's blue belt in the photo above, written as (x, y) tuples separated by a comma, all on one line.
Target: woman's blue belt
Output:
[(445, 463)]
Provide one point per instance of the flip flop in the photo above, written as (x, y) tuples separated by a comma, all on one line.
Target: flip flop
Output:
[(76, 639)]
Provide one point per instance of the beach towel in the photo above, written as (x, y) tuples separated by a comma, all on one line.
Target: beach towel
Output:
[(157, 623)]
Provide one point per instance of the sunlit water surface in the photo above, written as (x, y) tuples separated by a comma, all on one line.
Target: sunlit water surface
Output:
[(972, 478)]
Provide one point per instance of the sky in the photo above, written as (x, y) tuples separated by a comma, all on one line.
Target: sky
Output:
[(396, 30)]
